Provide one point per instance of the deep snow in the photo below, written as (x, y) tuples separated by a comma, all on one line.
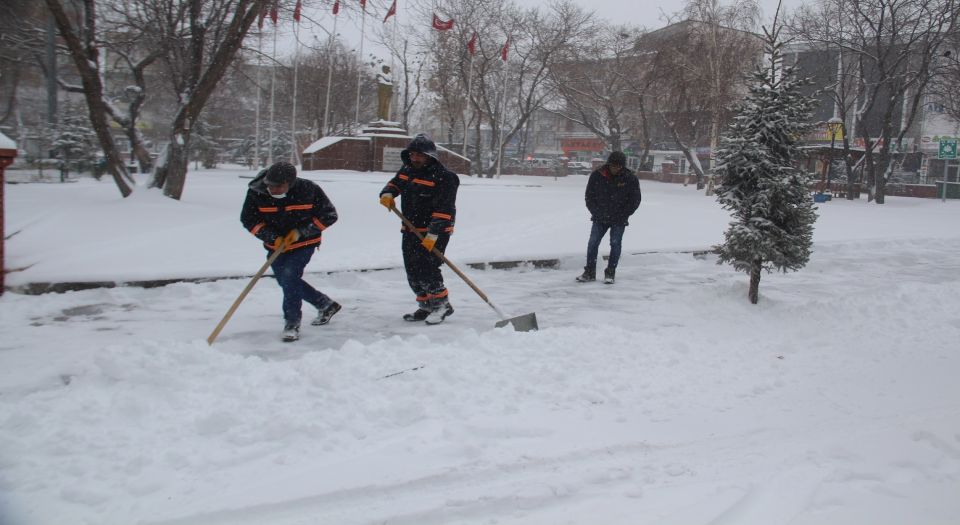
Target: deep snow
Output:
[(664, 399)]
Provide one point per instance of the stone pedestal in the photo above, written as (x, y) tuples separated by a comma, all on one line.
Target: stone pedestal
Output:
[(376, 148)]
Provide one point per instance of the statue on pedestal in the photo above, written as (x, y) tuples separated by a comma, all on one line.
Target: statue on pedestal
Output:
[(384, 93)]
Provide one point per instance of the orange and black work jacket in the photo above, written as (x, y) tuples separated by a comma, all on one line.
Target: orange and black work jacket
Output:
[(305, 207), (428, 196)]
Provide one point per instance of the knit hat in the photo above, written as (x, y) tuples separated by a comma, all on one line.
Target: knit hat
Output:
[(280, 173), (421, 144), (617, 158)]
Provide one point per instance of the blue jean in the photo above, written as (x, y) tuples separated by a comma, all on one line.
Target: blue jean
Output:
[(288, 269), (616, 242)]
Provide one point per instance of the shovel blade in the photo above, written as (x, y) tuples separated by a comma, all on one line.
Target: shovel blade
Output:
[(521, 323)]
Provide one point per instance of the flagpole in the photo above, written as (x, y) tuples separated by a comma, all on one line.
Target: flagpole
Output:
[(294, 146), (469, 104), (363, 25), (332, 55), (273, 90), (256, 138), (503, 113)]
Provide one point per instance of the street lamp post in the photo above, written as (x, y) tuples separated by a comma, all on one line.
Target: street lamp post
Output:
[(834, 125)]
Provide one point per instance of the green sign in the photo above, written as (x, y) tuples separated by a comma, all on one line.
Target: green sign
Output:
[(948, 149)]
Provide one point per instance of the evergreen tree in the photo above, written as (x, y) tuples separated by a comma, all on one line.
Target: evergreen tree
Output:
[(74, 140), (204, 148), (759, 183)]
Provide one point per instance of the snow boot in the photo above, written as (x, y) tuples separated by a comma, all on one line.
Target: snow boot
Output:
[(609, 275), (291, 332), (323, 317), (419, 315), (437, 316), (589, 274)]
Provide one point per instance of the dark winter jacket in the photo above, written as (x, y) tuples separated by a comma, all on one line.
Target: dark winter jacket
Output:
[(429, 195), (612, 199), (305, 207)]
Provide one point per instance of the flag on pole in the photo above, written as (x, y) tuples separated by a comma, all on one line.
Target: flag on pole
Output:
[(336, 7), (274, 15), (441, 25), (390, 12), (296, 11), (263, 14), (504, 49), (363, 4), (472, 44)]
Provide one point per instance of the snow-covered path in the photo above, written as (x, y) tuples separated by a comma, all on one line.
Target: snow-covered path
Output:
[(664, 399)]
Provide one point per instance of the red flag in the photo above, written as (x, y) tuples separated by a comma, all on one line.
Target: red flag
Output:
[(274, 14), (472, 44), (296, 11), (390, 12), (336, 7), (504, 49), (363, 4), (441, 25), (263, 14)]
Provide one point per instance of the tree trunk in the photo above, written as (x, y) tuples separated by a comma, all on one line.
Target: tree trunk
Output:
[(171, 173), (755, 269), (85, 56), (175, 165)]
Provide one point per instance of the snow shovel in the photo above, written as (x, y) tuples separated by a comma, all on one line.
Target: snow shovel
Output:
[(521, 323), (263, 269)]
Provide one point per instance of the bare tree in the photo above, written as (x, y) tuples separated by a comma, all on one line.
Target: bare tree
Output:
[(204, 36), (22, 43), (893, 48), (700, 63), (598, 82), (80, 37)]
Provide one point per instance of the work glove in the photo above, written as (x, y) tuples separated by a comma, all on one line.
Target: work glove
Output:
[(288, 239), (386, 200), (429, 241)]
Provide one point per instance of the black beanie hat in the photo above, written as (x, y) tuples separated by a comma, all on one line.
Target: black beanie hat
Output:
[(617, 158), (280, 173)]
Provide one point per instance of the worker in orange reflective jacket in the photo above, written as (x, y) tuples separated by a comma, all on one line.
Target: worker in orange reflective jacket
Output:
[(283, 210), (428, 193)]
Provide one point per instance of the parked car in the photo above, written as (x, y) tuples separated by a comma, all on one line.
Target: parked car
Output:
[(579, 167)]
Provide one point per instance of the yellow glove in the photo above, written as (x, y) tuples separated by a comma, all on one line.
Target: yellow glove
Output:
[(288, 239), (429, 242), (386, 200)]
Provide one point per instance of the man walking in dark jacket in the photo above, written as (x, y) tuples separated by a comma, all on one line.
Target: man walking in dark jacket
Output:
[(613, 195), (285, 211), (428, 194)]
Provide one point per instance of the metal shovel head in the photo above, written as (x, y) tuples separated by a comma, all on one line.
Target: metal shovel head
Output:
[(521, 323)]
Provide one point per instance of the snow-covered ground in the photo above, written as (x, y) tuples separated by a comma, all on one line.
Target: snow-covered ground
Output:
[(664, 399)]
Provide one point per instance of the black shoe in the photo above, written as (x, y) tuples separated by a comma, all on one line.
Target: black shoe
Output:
[(291, 332), (323, 317), (437, 316), (589, 274), (419, 315), (609, 276)]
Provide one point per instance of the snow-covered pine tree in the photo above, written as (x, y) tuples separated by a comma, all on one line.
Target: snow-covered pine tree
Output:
[(759, 183), (74, 140)]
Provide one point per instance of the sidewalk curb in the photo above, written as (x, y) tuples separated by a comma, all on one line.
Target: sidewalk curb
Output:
[(40, 288)]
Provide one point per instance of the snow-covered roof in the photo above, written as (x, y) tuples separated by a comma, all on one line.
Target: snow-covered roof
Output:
[(366, 132), (327, 142), (6, 142)]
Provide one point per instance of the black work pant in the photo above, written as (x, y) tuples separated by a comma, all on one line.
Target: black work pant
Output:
[(423, 270)]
